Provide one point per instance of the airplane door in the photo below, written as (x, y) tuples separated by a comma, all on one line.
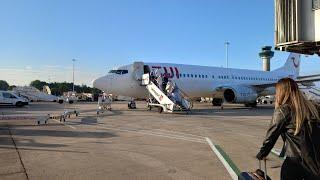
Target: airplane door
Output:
[(138, 70)]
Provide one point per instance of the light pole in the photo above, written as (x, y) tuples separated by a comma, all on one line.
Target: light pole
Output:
[(73, 60), (227, 53)]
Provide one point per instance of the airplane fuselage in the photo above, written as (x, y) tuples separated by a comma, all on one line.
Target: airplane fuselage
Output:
[(195, 81)]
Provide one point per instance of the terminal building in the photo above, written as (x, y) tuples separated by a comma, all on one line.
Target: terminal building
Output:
[(297, 26)]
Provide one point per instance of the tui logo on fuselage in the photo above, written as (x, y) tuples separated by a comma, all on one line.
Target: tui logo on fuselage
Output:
[(296, 65)]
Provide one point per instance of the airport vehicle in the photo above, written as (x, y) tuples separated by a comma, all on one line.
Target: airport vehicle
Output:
[(10, 98), (33, 94), (266, 99), (70, 97), (223, 84)]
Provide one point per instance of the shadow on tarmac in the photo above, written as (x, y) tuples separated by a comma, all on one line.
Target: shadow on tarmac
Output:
[(8, 142), (259, 111), (46, 150), (60, 133)]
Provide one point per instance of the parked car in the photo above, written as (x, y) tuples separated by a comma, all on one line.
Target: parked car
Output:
[(10, 98)]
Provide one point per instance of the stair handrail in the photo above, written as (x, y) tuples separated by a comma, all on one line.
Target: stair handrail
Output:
[(185, 95)]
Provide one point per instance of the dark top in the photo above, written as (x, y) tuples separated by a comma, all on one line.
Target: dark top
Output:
[(304, 146)]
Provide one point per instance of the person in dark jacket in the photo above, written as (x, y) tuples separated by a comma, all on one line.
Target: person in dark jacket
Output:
[(297, 120), (165, 81)]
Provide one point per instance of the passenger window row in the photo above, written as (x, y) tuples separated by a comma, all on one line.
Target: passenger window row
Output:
[(227, 77), (194, 75)]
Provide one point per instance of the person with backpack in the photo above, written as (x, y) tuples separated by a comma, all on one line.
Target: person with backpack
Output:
[(297, 120)]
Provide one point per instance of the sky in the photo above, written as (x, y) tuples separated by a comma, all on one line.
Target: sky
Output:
[(39, 39)]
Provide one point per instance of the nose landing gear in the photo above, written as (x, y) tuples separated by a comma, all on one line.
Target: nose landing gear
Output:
[(132, 105)]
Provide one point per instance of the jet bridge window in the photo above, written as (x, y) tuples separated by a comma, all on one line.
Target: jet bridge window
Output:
[(316, 4), (118, 72)]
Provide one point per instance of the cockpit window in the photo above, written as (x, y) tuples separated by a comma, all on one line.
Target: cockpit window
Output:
[(118, 71)]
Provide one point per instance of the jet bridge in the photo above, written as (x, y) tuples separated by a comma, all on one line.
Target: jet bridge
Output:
[(176, 101)]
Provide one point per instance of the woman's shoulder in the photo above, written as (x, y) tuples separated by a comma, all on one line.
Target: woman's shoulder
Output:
[(284, 109), (317, 106)]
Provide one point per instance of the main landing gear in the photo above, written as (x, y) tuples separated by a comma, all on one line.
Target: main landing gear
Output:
[(253, 104), (217, 102)]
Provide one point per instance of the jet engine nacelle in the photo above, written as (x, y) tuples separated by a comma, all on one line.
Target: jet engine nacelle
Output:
[(240, 94)]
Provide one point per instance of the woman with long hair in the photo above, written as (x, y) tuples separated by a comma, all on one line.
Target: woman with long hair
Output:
[(297, 120)]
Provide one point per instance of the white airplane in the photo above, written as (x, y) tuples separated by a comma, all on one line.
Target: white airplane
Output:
[(223, 84)]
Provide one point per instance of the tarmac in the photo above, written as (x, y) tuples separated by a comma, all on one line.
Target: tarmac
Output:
[(138, 144)]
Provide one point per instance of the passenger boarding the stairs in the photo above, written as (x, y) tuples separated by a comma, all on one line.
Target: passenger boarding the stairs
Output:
[(174, 93), (165, 81)]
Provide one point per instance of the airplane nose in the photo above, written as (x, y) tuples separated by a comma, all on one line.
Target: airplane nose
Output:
[(99, 83)]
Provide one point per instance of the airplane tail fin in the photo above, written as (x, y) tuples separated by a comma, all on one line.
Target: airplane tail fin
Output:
[(292, 65)]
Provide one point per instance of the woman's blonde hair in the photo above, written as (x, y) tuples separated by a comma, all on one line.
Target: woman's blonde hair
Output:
[(287, 92)]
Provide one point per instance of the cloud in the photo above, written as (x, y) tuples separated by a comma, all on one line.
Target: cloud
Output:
[(28, 67)]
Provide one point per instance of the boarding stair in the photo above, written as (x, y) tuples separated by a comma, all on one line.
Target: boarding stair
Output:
[(173, 99)]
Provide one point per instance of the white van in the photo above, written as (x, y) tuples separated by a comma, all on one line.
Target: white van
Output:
[(10, 98)]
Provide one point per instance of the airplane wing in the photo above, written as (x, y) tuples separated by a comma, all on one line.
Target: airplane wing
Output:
[(308, 79), (304, 80)]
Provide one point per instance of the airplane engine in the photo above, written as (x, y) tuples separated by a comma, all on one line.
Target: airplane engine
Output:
[(240, 94)]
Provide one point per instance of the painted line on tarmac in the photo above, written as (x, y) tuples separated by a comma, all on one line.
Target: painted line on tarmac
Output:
[(230, 166), (72, 127), (225, 159), (147, 132), (179, 133)]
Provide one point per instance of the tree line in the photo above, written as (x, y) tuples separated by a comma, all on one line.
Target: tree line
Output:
[(57, 88)]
